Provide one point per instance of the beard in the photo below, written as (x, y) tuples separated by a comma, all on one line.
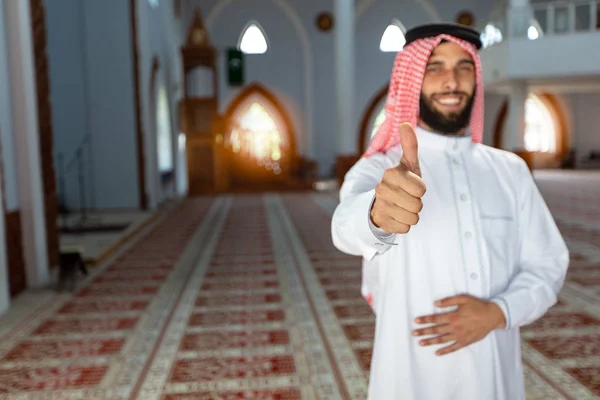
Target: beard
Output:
[(449, 124)]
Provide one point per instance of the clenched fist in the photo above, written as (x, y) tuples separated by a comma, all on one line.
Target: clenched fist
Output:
[(398, 196)]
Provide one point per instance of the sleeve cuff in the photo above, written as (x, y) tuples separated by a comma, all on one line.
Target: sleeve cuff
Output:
[(370, 244), (500, 302), (380, 234)]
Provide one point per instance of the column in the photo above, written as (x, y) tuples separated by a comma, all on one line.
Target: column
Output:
[(24, 116), (4, 289), (515, 127), (344, 75), (4, 126)]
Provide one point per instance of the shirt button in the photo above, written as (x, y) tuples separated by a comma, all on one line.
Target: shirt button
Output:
[(463, 197), (474, 276), (468, 235)]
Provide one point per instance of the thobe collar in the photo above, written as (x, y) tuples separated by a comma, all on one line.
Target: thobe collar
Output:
[(446, 143)]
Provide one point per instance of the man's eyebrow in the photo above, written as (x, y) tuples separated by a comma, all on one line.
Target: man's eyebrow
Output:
[(466, 61), (435, 62)]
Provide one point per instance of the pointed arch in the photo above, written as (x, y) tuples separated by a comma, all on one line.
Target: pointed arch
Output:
[(548, 108), (259, 143), (253, 39), (258, 93), (392, 39), (374, 108)]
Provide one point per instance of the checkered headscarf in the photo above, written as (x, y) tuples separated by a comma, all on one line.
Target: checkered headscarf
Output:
[(405, 90)]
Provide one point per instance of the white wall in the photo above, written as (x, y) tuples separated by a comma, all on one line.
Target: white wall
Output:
[(585, 120), (493, 104), (310, 95), (91, 78), (160, 35)]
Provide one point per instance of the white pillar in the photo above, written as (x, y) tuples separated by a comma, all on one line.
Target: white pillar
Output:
[(4, 289), (25, 123), (344, 75), (4, 124), (515, 128)]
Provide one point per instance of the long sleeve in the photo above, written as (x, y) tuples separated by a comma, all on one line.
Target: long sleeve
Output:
[(351, 229), (543, 259)]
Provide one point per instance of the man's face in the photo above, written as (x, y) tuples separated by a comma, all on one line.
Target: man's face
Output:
[(448, 89)]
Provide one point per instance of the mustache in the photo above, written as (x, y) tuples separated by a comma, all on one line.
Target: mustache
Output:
[(453, 93)]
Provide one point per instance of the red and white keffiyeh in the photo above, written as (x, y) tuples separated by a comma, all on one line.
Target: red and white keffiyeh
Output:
[(404, 92)]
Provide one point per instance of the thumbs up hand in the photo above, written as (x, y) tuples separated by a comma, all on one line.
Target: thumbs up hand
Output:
[(398, 196)]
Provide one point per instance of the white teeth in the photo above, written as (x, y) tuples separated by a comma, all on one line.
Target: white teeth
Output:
[(450, 101)]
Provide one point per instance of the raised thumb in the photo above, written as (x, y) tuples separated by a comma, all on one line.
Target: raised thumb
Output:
[(410, 148)]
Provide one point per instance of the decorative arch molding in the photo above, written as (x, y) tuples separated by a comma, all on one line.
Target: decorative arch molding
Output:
[(279, 113), (368, 116), (361, 8), (430, 9), (426, 5), (552, 102), (292, 15)]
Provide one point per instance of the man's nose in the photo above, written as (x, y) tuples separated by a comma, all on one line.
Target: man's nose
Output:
[(450, 81)]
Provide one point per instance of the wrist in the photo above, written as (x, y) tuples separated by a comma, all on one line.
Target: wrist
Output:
[(498, 318), (371, 213)]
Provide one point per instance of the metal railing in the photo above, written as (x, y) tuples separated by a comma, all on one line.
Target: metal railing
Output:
[(544, 19), (77, 161)]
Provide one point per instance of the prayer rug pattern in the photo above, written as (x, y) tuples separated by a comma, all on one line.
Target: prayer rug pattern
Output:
[(245, 297)]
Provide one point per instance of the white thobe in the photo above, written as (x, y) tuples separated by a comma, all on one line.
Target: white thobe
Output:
[(484, 230)]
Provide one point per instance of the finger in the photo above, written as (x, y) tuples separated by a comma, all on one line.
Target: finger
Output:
[(389, 224), (442, 318), (433, 330), (449, 349), (454, 301), (400, 177), (398, 214), (398, 196), (437, 340), (410, 148)]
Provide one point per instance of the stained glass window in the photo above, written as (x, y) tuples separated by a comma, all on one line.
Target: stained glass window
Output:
[(256, 135)]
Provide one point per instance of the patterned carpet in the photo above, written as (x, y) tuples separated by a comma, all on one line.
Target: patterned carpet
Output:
[(245, 297)]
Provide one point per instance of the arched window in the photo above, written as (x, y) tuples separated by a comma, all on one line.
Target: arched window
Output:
[(393, 39), (540, 129), (253, 39), (163, 132), (377, 122)]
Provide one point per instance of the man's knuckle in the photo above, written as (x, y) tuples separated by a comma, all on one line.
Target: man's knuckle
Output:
[(419, 206)]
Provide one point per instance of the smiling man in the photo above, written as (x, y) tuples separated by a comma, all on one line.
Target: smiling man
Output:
[(459, 248)]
